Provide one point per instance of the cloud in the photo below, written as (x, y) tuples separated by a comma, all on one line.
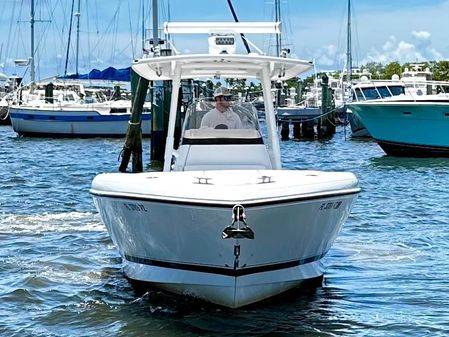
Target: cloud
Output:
[(421, 35), (418, 49), (390, 44), (327, 56)]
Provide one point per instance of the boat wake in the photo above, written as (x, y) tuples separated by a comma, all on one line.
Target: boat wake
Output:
[(50, 222)]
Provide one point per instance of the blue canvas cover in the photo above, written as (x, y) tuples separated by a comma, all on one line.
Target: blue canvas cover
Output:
[(108, 74)]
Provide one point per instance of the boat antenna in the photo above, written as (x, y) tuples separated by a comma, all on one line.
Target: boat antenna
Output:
[(245, 42)]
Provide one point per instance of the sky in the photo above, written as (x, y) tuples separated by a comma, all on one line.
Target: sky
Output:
[(110, 31)]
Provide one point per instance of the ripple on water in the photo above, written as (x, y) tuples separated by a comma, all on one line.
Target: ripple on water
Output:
[(60, 274)]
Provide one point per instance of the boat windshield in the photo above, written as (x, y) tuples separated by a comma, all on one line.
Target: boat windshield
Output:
[(203, 114), (377, 92), (205, 119)]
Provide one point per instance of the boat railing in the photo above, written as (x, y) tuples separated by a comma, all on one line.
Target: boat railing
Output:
[(386, 89)]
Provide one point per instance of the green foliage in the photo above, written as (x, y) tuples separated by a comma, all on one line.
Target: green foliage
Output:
[(376, 69), (441, 71), (394, 68)]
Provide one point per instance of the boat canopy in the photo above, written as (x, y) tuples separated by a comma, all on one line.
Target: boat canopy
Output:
[(219, 66), (108, 74)]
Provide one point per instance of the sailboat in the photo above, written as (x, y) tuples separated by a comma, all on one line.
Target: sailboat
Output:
[(223, 222), (67, 108)]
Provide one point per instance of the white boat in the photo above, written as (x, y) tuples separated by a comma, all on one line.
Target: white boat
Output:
[(416, 78), (56, 108), (72, 111), (407, 125), (223, 222)]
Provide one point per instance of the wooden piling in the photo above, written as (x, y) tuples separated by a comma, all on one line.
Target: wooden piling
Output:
[(308, 130), (296, 130), (133, 142), (326, 123), (285, 130)]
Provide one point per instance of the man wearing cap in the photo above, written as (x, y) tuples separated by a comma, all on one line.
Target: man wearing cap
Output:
[(222, 116)]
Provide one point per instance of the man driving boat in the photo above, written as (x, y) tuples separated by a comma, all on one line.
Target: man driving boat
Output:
[(222, 116)]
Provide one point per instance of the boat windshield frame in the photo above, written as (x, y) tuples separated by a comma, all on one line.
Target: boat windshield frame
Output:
[(377, 92)]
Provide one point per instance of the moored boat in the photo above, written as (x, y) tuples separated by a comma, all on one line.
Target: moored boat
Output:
[(366, 90), (408, 125), (223, 222), (71, 110)]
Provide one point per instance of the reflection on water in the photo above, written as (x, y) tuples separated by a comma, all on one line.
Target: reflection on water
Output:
[(60, 274)]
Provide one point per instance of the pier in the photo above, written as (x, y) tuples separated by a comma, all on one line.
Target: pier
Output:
[(309, 122)]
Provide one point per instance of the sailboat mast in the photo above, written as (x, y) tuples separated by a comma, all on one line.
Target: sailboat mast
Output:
[(277, 14), (77, 14), (349, 47), (68, 40), (32, 71)]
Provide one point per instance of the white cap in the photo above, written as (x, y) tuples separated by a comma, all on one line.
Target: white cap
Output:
[(221, 91)]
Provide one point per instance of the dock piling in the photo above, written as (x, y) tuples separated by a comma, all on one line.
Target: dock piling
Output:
[(133, 142)]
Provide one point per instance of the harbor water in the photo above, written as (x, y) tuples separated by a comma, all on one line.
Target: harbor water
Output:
[(60, 274)]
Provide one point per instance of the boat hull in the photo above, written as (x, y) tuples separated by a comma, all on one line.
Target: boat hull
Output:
[(177, 245), (357, 127), (66, 123), (418, 129)]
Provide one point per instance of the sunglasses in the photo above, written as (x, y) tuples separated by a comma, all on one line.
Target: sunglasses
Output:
[(227, 98)]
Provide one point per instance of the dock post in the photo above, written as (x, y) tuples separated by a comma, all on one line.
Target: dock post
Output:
[(133, 142), (307, 130), (326, 124), (296, 130), (159, 118), (298, 97), (321, 128), (285, 130), (331, 128)]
